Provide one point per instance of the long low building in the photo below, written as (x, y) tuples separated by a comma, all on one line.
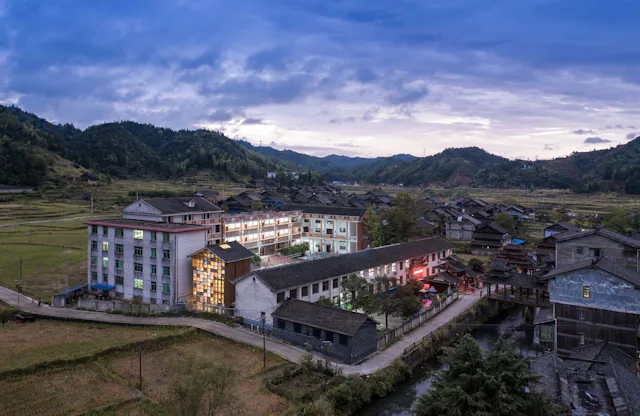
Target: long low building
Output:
[(263, 290)]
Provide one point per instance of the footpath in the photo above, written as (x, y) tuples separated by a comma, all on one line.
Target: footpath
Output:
[(379, 360)]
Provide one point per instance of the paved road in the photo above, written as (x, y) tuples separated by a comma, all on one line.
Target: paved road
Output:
[(18, 224), (288, 352)]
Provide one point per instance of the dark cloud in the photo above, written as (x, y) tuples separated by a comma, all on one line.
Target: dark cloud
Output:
[(583, 132), (370, 114), (408, 96), (549, 147), (596, 140), (253, 121), (365, 75), (632, 135), (614, 127), (342, 120), (220, 115), (275, 59)]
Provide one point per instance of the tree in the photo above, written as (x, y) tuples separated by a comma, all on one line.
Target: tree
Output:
[(202, 386), (407, 302), (371, 221), (357, 293), (505, 221), (619, 221), (472, 385), (476, 265)]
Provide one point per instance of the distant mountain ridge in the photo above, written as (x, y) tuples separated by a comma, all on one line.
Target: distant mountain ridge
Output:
[(34, 151)]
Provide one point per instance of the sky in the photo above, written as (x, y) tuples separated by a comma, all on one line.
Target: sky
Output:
[(532, 79)]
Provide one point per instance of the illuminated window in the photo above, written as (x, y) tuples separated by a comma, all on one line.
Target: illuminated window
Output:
[(138, 234), (105, 246), (580, 313), (120, 264), (138, 283), (586, 291), (105, 262), (581, 339)]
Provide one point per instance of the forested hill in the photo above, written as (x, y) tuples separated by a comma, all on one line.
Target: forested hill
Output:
[(34, 151)]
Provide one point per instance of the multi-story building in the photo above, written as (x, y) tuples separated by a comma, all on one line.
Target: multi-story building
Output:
[(214, 268), (190, 210), (263, 290), (263, 232), (488, 239), (462, 227), (143, 260), (576, 247), (596, 300), (332, 229)]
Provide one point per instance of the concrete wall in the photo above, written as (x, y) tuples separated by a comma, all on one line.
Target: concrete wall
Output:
[(253, 297), (122, 307), (608, 292), (568, 251), (460, 230)]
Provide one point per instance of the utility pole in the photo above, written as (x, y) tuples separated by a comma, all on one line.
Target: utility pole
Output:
[(20, 269), (140, 366), (264, 339), (67, 272)]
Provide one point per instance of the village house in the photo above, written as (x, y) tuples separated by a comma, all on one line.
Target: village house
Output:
[(488, 239), (347, 336), (263, 290), (573, 248), (462, 227)]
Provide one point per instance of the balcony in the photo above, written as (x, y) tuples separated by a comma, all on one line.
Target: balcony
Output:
[(251, 244), (231, 233), (119, 273), (268, 241), (268, 228), (166, 261), (153, 277), (283, 226), (296, 236), (120, 256), (137, 257), (153, 259), (166, 244), (250, 227)]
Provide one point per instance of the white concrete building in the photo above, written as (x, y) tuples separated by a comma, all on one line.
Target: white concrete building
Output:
[(263, 290), (143, 260)]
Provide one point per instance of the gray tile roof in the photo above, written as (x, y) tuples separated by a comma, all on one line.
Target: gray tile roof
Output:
[(325, 317), (230, 252), (605, 233), (601, 263), (318, 209), (301, 273), (181, 205)]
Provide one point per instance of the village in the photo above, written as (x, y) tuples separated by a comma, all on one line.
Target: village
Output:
[(323, 270)]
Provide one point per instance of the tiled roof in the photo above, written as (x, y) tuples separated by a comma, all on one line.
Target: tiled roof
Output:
[(180, 205), (318, 209), (601, 263), (297, 274), (231, 251), (325, 317), (147, 225), (605, 233)]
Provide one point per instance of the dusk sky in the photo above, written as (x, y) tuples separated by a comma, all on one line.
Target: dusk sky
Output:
[(525, 78)]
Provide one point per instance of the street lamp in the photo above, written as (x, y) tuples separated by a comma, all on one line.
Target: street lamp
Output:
[(263, 317)]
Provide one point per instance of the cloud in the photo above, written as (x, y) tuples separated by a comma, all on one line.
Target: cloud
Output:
[(596, 140), (342, 120), (220, 115), (253, 121), (408, 95), (583, 132), (632, 135), (549, 147), (370, 114)]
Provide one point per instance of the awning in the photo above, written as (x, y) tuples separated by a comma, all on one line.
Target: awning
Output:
[(71, 290), (517, 241), (102, 286)]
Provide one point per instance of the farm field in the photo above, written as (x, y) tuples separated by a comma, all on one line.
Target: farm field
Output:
[(108, 385)]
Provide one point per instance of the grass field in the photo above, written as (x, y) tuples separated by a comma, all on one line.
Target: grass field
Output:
[(108, 385)]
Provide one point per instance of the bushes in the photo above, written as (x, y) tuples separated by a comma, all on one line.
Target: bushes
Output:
[(297, 249)]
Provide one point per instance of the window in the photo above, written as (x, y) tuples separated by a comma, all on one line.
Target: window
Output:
[(393, 268), (137, 298), (325, 286), (105, 278), (138, 283), (119, 249), (343, 339), (581, 339), (293, 293), (120, 264), (305, 291), (94, 245), (580, 313), (154, 269), (280, 297), (119, 232), (317, 332), (105, 230), (579, 250), (105, 262), (282, 324), (119, 280), (138, 234), (154, 236), (137, 267), (105, 246), (305, 229), (400, 265), (328, 336), (297, 328), (137, 251), (165, 271), (94, 260), (119, 295), (315, 288), (595, 252), (152, 301), (153, 253), (94, 229), (154, 286), (336, 283), (94, 276), (433, 257), (586, 292), (343, 230), (165, 237), (165, 302), (166, 289), (166, 254)]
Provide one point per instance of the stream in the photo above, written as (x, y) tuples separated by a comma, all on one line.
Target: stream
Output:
[(399, 403)]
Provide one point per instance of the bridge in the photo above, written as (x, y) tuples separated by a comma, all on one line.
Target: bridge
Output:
[(519, 288)]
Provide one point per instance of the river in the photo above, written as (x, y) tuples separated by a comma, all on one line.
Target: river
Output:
[(400, 402)]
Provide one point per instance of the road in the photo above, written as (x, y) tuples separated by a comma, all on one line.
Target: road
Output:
[(376, 362)]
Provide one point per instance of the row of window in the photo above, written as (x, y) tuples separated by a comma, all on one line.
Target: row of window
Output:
[(137, 283), (120, 295), (137, 234), (315, 332), (137, 251), (304, 290), (593, 252), (137, 267)]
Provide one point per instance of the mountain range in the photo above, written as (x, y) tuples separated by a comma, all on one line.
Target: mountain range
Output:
[(34, 151)]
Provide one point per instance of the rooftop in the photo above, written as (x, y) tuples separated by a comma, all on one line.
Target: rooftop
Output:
[(296, 274), (230, 252), (318, 209), (147, 225), (601, 263), (320, 316), (182, 205), (631, 242)]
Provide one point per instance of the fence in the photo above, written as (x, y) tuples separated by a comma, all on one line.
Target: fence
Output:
[(126, 308), (416, 321)]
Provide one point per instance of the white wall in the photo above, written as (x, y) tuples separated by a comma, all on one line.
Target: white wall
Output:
[(253, 297), (187, 243)]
